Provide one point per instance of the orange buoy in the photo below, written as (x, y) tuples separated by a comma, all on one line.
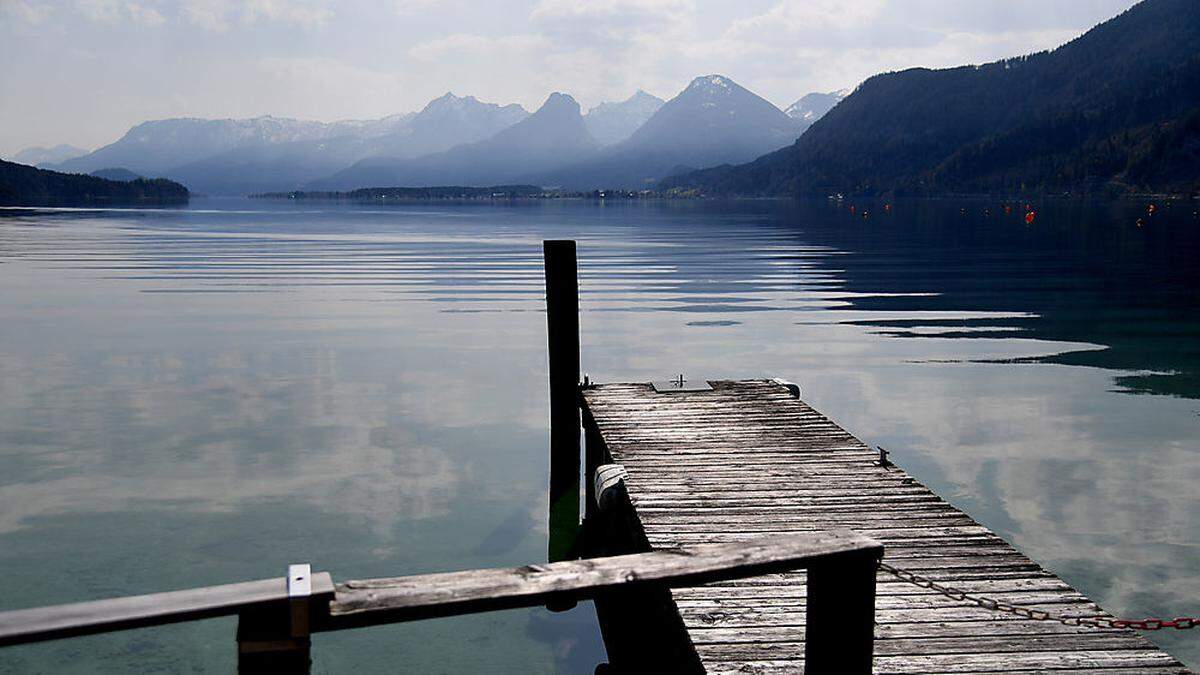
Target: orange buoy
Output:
[(1007, 208), (1151, 209), (1029, 217), (887, 208)]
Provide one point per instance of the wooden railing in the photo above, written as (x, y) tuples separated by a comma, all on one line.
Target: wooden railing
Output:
[(277, 616)]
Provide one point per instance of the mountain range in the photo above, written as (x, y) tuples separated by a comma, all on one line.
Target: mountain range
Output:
[(38, 155), (535, 144), (457, 140), (812, 107), (257, 167), (1116, 110), (610, 123), (713, 120)]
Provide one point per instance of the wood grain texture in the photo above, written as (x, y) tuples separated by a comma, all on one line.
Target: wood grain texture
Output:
[(155, 609), (443, 594), (748, 460)]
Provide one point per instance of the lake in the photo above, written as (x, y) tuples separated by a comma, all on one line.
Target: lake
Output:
[(205, 395)]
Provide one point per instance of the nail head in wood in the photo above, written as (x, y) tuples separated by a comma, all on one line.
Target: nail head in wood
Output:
[(299, 588)]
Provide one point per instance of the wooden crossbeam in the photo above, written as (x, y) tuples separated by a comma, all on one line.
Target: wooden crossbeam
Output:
[(374, 601), (156, 609)]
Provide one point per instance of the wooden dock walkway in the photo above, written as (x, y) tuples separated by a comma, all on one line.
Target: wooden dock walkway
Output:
[(749, 460)]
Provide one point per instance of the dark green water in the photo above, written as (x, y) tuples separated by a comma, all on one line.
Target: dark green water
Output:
[(204, 396)]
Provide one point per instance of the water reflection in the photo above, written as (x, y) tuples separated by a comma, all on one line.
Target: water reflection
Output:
[(206, 395)]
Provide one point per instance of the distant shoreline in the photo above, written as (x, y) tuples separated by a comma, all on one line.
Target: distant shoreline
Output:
[(535, 193), (462, 193)]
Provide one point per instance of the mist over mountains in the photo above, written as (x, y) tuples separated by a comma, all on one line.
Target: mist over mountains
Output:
[(713, 121), (610, 123), (456, 140), (537, 143), (257, 167), (37, 155)]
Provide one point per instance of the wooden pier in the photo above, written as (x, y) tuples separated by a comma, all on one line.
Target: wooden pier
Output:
[(749, 459)]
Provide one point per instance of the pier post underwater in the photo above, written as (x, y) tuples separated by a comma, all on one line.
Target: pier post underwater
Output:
[(562, 329)]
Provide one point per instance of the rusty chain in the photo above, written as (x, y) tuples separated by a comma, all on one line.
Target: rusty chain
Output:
[(1179, 623)]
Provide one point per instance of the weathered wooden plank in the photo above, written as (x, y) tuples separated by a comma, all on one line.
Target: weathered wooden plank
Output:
[(887, 631), (1129, 661), (155, 609), (446, 594), (892, 528), (1005, 589), (800, 509), (739, 616), (704, 599), (922, 645), (1117, 660)]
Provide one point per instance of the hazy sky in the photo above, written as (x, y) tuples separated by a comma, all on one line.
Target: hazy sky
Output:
[(84, 71)]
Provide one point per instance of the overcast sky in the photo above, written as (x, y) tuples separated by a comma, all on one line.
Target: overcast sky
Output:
[(84, 71)]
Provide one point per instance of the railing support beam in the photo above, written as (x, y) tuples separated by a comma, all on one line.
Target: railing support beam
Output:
[(276, 638), (266, 644), (840, 622)]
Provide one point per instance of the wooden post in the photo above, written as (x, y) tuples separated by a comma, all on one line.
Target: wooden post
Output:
[(562, 323), (840, 623), (276, 638), (266, 643), (594, 455)]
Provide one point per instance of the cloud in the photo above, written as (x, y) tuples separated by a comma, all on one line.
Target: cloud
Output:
[(147, 16), (630, 13), (115, 11), (106, 11), (305, 14), (469, 45), (825, 44), (828, 24), (219, 15), (611, 21), (346, 89), (27, 11), (410, 7)]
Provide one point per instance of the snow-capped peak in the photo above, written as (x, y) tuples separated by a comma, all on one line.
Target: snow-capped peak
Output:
[(812, 107), (712, 84)]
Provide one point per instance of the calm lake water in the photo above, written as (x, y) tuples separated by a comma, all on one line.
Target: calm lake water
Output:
[(202, 396)]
